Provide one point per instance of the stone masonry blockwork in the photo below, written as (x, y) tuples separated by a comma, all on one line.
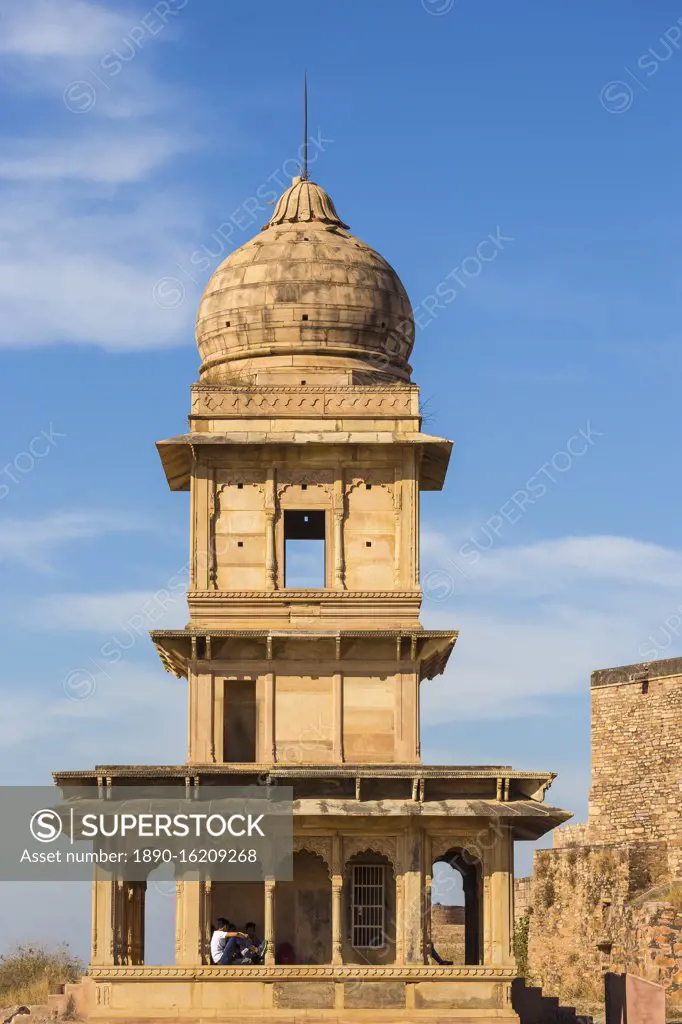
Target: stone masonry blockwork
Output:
[(609, 895)]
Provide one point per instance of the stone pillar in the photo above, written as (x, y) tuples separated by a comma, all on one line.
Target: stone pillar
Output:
[(218, 724), (203, 566), (397, 518), (269, 921), (270, 530), (128, 922), (399, 918), (500, 872), (188, 921), (205, 919), (417, 717), (337, 900), (426, 907), (119, 922), (102, 948), (413, 897), (339, 559), (136, 899), (270, 752), (202, 713), (339, 511), (412, 488), (337, 698), (270, 550)]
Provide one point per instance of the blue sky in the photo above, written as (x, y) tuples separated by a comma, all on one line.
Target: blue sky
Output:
[(139, 142)]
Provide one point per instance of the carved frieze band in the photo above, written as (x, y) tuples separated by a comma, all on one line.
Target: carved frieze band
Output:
[(308, 595), (293, 973), (304, 401)]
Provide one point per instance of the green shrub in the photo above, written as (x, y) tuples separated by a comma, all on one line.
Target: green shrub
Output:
[(521, 944)]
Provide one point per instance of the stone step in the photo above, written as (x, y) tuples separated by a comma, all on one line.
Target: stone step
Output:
[(534, 1007)]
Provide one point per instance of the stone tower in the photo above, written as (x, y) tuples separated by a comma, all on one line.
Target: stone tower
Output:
[(305, 427), (306, 669)]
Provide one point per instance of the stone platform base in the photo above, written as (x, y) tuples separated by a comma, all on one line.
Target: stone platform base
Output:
[(294, 995)]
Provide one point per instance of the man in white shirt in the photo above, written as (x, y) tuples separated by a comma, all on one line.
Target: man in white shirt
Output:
[(226, 942)]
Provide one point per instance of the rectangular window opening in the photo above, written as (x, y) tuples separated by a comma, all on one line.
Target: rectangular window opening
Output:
[(304, 549), (240, 724), (368, 906)]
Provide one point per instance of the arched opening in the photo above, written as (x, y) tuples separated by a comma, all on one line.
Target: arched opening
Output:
[(370, 909), (457, 908), (303, 913)]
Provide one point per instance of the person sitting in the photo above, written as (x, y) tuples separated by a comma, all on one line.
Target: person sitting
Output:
[(254, 954), (227, 942)]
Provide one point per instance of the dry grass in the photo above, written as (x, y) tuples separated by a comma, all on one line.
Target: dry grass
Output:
[(28, 974)]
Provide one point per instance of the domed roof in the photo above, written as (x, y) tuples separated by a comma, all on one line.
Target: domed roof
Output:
[(305, 293)]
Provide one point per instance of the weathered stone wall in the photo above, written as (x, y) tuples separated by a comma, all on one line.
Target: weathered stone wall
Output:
[(572, 889), (636, 763), (650, 943), (609, 895), (571, 835), (522, 897), (447, 932)]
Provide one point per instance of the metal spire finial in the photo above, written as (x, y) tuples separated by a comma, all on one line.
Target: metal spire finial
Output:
[(304, 174)]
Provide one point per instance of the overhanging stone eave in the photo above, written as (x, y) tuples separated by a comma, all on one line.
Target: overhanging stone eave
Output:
[(527, 819), (346, 768), (177, 453), (178, 647)]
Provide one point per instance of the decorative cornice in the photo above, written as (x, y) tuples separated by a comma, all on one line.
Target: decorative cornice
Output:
[(308, 634), (363, 771), (295, 389), (307, 595), (301, 972)]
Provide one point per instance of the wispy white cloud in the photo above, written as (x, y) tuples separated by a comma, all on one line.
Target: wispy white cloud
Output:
[(87, 229), (89, 57), (108, 723), (33, 542), (537, 619), (75, 277), (109, 612), (550, 566), (113, 159), (59, 28)]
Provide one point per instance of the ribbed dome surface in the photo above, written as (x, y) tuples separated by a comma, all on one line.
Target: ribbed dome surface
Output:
[(305, 201), (304, 292)]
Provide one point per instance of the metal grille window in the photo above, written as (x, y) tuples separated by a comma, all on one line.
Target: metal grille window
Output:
[(368, 906)]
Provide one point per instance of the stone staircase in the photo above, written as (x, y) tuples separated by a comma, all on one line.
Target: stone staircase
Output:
[(535, 1008)]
